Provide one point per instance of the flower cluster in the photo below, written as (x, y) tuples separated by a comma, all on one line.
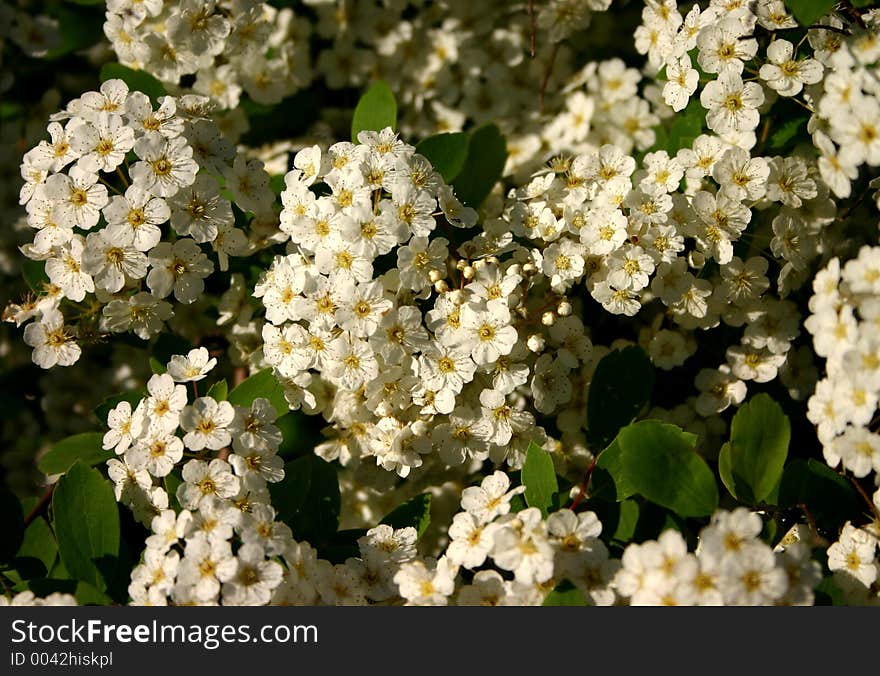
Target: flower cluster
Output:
[(124, 195), (229, 47), (844, 405), (731, 566)]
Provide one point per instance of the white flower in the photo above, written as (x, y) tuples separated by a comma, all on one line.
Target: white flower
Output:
[(204, 481), (194, 366), (112, 259), (165, 402), (491, 498), (166, 166), (180, 267), (205, 423), (681, 82), (125, 426), (732, 104), (486, 331), (157, 451), (785, 73), (53, 343)]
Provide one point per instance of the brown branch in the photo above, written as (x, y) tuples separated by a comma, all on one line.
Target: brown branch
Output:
[(533, 28), (583, 491), (40, 506), (865, 496)]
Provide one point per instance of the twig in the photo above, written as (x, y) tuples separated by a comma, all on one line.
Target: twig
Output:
[(583, 490), (40, 506), (533, 29), (865, 496)]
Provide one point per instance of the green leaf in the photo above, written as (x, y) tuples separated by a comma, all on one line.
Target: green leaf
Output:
[(87, 595), (307, 499), (80, 27), (785, 132), (751, 463), (376, 110), (686, 126), (539, 478), (807, 12), (38, 546), (261, 384), (446, 152), (156, 366), (219, 390), (608, 481), (621, 387), (86, 521), (85, 447), (659, 461), (415, 512), (862, 3), (103, 409), (565, 594), (484, 166), (829, 497), (11, 526), (137, 80), (172, 482), (34, 273)]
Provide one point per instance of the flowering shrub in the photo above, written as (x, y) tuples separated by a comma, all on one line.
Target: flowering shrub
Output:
[(520, 324)]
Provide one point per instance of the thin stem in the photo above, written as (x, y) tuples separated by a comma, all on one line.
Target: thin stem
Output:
[(583, 491), (122, 177), (865, 496), (533, 28), (110, 185), (40, 506)]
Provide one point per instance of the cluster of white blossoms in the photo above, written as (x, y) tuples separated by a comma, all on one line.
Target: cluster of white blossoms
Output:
[(125, 196), (28, 598), (227, 455), (229, 47), (456, 53), (442, 354), (731, 566), (844, 323)]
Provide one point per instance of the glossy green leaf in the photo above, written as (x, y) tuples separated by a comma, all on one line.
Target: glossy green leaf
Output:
[(446, 152), (375, 110), (484, 166), (85, 447), (539, 478), (219, 390), (565, 594), (608, 481), (34, 273), (807, 12), (829, 497), (38, 546), (86, 521), (686, 126), (307, 499), (415, 512), (261, 384), (751, 463), (659, 461), (621, 387)]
